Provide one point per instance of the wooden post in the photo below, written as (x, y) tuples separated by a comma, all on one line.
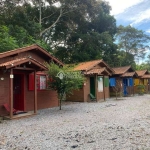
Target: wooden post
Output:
[(96, 88), (11, 94), (35, 93), (104, 89)]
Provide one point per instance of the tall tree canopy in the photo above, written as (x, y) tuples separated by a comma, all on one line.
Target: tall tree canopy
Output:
[(132, 41), (75, 30)]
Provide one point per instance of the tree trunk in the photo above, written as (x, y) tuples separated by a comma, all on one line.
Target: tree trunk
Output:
[(40, 15), (60, 104)]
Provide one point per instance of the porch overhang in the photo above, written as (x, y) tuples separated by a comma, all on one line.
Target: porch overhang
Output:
[(146, 76), (101, 71), (23, 63), (130, 74)]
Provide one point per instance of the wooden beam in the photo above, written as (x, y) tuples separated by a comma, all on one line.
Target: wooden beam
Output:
[(35, 93), (22, 68), (11, 95)]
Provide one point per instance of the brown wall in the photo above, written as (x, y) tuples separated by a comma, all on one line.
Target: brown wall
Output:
[(76, 96), (101, 96), (81, 95), (147, 89), (4, 91), (45, 98), (130, 90), (87, 90), (118, 82)]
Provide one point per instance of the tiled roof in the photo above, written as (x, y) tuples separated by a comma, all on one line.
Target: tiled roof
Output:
[(12, 62), (18, 61), (146, 76), (121, 70), (87, 65), (129, 74), (141, 72), (101, 71), (28, 48)]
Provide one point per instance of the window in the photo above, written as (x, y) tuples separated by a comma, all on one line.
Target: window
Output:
[(41, 81)]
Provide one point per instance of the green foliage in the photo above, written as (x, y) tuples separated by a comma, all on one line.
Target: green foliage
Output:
[(7, 42), (72, 80), (84, 30), (141, 89), (143, 66), (132, 41), (123, 59)]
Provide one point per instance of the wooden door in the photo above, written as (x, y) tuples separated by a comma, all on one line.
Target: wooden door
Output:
[(92, 86), (18, 91)]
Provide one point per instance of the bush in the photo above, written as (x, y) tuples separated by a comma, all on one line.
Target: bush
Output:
[(141, 89)]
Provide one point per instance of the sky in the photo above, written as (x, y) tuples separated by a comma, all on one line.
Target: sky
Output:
[(132, 12)]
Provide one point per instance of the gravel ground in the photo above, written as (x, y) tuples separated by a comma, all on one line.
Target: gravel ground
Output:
[(112, 125)]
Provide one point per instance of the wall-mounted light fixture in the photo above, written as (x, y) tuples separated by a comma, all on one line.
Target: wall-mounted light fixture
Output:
[(2, 78)]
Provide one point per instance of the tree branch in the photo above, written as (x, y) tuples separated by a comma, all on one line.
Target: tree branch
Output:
[(52, 24)]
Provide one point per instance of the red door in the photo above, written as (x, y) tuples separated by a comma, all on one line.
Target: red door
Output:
[(18, 91)]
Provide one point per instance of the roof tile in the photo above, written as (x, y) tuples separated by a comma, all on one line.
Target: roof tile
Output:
[(141, 72), (96, 71), (87, 65), (129, 74), (121, 70)]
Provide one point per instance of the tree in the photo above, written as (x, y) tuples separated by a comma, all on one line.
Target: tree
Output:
[(86, 34), (63, 80), (7, 42), (133, 41), (75, 30)]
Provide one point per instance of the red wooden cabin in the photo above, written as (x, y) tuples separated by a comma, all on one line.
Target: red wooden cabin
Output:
[(23, 80)]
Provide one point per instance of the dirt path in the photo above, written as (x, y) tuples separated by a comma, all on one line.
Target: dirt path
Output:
[(111, 125)]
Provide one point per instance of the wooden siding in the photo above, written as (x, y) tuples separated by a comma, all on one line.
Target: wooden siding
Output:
[(45, 98), (87, 90), (4, 91), (76, 96), (82, 95)]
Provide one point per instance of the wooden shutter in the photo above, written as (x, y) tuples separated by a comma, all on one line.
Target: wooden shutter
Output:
[(136, 81), (112, 81), (106, 82)]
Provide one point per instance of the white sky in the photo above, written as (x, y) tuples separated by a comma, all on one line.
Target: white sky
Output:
[(119, 6)]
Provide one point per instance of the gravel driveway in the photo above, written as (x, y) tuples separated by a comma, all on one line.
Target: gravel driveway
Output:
[(112, 125)]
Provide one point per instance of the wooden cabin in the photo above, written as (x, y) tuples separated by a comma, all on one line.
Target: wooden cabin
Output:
[(142, 79), (23, 85), (123, 81), (96, 86)]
